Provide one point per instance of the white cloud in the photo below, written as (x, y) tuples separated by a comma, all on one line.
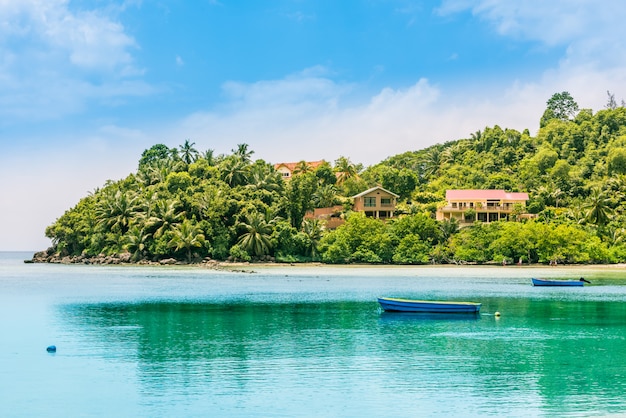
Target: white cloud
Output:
[(55, 59), (591, 30), (591, 34), (315, 117)]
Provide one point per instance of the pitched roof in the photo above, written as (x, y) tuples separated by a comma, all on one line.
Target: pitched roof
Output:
[(372, 189), (292, 166), (484, 194)]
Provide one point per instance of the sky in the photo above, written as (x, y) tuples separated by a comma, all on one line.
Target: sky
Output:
[(87, 85)]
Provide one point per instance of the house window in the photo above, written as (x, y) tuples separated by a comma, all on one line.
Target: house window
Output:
[(369, 202), (285, 174), (385, 201), (454, 205)]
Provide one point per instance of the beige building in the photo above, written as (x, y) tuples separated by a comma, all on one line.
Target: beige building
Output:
[(376, 202), (468, 206)]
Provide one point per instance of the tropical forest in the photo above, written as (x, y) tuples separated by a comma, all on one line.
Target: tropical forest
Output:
[(189, 206)]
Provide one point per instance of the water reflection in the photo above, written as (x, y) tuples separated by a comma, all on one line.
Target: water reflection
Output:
[(392, 317), (560, 356)]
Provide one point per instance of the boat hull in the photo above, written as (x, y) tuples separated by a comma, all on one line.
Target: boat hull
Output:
[(409, 305), (541, 282)]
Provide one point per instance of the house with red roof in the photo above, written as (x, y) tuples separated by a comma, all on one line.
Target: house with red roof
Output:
[(468, 206), (287, 169)]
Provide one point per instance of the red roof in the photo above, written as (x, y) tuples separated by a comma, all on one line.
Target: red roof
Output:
[(292, 166), (484, 194)]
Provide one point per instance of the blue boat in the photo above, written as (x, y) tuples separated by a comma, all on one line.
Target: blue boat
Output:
[(432, 306), (543, 282)]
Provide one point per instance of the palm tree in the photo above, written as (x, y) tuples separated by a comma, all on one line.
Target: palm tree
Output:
[(431, 162), (187, 152), (187, 235), (325, 196), (135, 241), (478, 139), (209, 156), (243, 153), (118, 210), (313, 229), (234, 171), (576, 213), (302, 167), (156, 172), (556, 195), (448, 155), (598, 209), (264, 177), (256, 239), (166, 215), (616, 235), (448, 228), (345, 170), (547, 194)]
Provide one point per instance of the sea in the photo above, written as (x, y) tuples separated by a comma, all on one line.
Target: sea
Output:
[(308, 341)]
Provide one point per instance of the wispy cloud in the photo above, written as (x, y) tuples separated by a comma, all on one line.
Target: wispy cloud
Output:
[(56, 59), (589, 29), (311, 118)]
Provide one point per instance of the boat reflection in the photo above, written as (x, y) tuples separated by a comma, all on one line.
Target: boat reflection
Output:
[(386, 316)]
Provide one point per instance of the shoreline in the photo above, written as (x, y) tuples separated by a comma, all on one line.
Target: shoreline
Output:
[(215, 264), (45, 257)]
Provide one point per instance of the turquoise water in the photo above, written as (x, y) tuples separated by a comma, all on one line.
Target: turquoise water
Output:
[(300, 342)]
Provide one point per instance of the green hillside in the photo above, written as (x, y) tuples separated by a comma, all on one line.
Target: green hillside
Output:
[(185, 205)]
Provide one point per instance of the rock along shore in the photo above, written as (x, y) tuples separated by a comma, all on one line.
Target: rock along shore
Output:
[(49, 256)]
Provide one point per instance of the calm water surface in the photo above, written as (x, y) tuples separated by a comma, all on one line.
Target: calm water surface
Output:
[(300, 342)]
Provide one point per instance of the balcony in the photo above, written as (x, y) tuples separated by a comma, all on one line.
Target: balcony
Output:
[(507, 207)]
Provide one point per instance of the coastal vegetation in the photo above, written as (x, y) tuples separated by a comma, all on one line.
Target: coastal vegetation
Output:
[(186, 205)]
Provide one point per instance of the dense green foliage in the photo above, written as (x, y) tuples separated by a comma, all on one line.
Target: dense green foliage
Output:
[(190, 205)]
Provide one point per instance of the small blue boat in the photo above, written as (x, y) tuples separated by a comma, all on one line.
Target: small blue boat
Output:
[(431, 306), (543, 282)]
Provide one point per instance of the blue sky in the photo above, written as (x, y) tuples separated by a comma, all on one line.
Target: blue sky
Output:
[(87, 85)]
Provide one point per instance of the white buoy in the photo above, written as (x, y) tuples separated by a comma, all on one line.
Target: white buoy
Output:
[(497, 314)]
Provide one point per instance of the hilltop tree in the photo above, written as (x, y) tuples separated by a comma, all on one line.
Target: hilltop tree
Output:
[(158, 152), (243, 153), (563, 106), (611, 104), (188, 153)]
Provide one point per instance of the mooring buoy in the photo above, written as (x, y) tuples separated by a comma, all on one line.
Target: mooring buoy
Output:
[(51, 349)]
